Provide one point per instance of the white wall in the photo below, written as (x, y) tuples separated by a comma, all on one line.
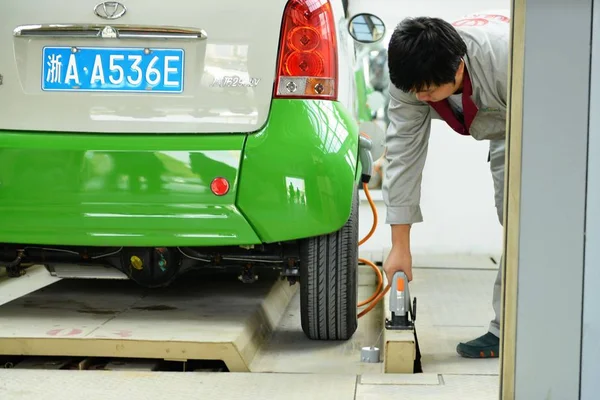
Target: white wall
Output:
[(457, 195)]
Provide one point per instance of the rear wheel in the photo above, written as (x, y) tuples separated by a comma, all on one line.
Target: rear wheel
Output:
[(329, 282)]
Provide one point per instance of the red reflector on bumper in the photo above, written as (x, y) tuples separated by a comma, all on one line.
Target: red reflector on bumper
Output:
[(219, 186)]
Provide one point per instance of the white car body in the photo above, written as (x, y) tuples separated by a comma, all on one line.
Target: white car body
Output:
[(221, 43)]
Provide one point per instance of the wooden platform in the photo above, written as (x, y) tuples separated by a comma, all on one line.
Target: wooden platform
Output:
[(36, 277), (204, 317), (399, 346)]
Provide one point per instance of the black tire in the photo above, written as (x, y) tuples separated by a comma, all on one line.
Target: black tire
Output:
[(329, 282)]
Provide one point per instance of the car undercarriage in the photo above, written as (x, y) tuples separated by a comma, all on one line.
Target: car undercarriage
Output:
[(158, 266)]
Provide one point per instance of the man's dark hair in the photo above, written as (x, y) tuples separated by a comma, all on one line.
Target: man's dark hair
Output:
[(424, 52)]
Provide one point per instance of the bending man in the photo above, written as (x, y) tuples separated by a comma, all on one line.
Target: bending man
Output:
[(457, 73)]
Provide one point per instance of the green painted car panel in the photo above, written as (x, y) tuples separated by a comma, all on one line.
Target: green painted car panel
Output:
[(294, 178), (299, 173), (101, 190)]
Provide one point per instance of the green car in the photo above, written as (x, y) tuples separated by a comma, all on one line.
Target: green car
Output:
[(154, 141)]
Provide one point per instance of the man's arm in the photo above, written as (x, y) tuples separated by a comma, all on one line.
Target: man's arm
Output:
[(407, 141)]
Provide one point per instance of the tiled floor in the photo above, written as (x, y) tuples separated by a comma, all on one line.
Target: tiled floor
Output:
[(98, 385), (454, 304), (452, 387)]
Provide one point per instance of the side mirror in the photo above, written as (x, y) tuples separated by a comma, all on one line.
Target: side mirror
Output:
[(366, 28)]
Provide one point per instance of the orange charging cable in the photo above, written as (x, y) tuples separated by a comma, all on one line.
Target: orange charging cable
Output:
[(379, 293)]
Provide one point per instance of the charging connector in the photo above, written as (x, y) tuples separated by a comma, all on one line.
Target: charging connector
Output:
[(366, 158)]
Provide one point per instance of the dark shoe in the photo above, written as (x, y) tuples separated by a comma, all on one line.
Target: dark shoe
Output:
[(486, 346)]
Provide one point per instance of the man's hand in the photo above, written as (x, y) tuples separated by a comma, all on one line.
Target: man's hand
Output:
[(399, 259)]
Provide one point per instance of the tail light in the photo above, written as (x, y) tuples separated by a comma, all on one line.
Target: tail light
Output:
[(307, 65)]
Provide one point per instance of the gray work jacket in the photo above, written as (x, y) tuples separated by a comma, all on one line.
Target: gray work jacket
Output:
[(487, 36)]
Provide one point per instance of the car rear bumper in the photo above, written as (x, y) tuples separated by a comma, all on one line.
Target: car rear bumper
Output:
[(119, 191), (292, 179)]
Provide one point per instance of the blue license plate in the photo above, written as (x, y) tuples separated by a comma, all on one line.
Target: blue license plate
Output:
[(102, 69)]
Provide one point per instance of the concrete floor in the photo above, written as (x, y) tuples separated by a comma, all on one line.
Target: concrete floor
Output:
[(51, 385), (454, 304)]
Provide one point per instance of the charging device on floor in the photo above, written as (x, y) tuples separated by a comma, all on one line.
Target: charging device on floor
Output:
[(400, 308), (400, 305)]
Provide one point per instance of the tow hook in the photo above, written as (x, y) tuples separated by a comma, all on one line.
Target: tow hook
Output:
[(14, 269), (248, 275)]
